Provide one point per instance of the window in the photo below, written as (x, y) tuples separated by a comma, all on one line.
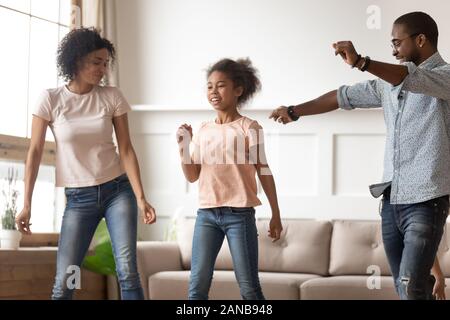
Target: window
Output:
[(48, 201), (31, 31)]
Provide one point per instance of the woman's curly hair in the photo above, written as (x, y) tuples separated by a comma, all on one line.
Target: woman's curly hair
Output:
[(75, 46), (242, 73)]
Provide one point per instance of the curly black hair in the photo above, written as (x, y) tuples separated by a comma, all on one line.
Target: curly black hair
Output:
[(242, 73), (75, 46)]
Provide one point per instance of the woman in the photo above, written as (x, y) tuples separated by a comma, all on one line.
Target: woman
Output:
[(98, 182)]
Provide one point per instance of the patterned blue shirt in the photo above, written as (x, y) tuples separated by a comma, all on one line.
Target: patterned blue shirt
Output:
[(417, 116)]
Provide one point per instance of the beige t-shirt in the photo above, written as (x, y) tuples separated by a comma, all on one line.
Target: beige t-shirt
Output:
[(227, 175), (83, 130)]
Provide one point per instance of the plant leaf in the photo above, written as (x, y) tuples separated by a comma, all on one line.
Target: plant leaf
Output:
[(102, 261)]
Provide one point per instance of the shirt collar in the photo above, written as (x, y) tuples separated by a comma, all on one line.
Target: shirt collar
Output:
[(432, 62)]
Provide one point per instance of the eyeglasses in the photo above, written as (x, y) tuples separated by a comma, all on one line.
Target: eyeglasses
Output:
[(396, 43)]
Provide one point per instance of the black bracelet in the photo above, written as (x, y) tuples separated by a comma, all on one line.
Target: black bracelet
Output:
[(357, 61), (366, 64), (291, 113)]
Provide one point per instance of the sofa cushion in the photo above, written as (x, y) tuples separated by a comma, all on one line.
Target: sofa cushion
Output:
[(303, 247), (357, 248), (184, 234), (224, 286), (168, 259), (347, 288)]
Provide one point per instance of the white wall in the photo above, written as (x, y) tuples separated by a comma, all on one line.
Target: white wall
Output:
[(322, 165), (321, 171), (165, 45)]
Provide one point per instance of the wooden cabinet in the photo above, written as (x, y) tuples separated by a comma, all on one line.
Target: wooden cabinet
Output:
[(29, 273)]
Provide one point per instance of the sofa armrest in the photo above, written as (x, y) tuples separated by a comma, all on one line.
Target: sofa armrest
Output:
[(156, 256)]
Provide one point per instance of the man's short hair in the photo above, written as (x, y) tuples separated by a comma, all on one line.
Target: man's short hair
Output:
[(420, 23)]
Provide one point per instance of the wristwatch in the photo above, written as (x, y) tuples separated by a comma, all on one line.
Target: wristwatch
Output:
[(291, 113)]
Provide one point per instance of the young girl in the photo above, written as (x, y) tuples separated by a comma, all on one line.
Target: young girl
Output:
[(228, 152), (98, 182)]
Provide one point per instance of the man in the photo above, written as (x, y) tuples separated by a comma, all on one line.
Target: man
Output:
[(415, 97)]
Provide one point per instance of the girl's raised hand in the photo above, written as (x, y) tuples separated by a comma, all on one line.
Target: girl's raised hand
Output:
[(183, 131)]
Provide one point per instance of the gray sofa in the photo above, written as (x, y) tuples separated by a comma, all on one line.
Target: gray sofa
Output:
[(341, 259)]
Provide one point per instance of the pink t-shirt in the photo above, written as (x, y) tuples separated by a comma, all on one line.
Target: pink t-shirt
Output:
[(83, 129), (225, 152)]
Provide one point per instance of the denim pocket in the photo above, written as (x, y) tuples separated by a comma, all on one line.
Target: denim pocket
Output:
[(82, 197), (439, 205), (442, 206), (446, 200), (71, 191), (439, 208), (121, 178), (71, 194), (122, 183)]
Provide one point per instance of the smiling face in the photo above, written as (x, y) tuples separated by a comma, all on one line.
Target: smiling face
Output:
[(222, 93), (405, 45), (93, 67)]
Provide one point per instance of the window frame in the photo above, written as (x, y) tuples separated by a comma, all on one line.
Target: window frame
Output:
[(15, 149)]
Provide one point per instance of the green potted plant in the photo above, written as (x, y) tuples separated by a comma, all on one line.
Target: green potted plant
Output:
[(9, 236)]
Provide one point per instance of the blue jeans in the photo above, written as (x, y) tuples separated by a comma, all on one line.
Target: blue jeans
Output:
[(411, 236), (114, 201), (239, 226)]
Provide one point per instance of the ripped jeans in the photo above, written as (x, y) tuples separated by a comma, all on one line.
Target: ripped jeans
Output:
[(411, 237)]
